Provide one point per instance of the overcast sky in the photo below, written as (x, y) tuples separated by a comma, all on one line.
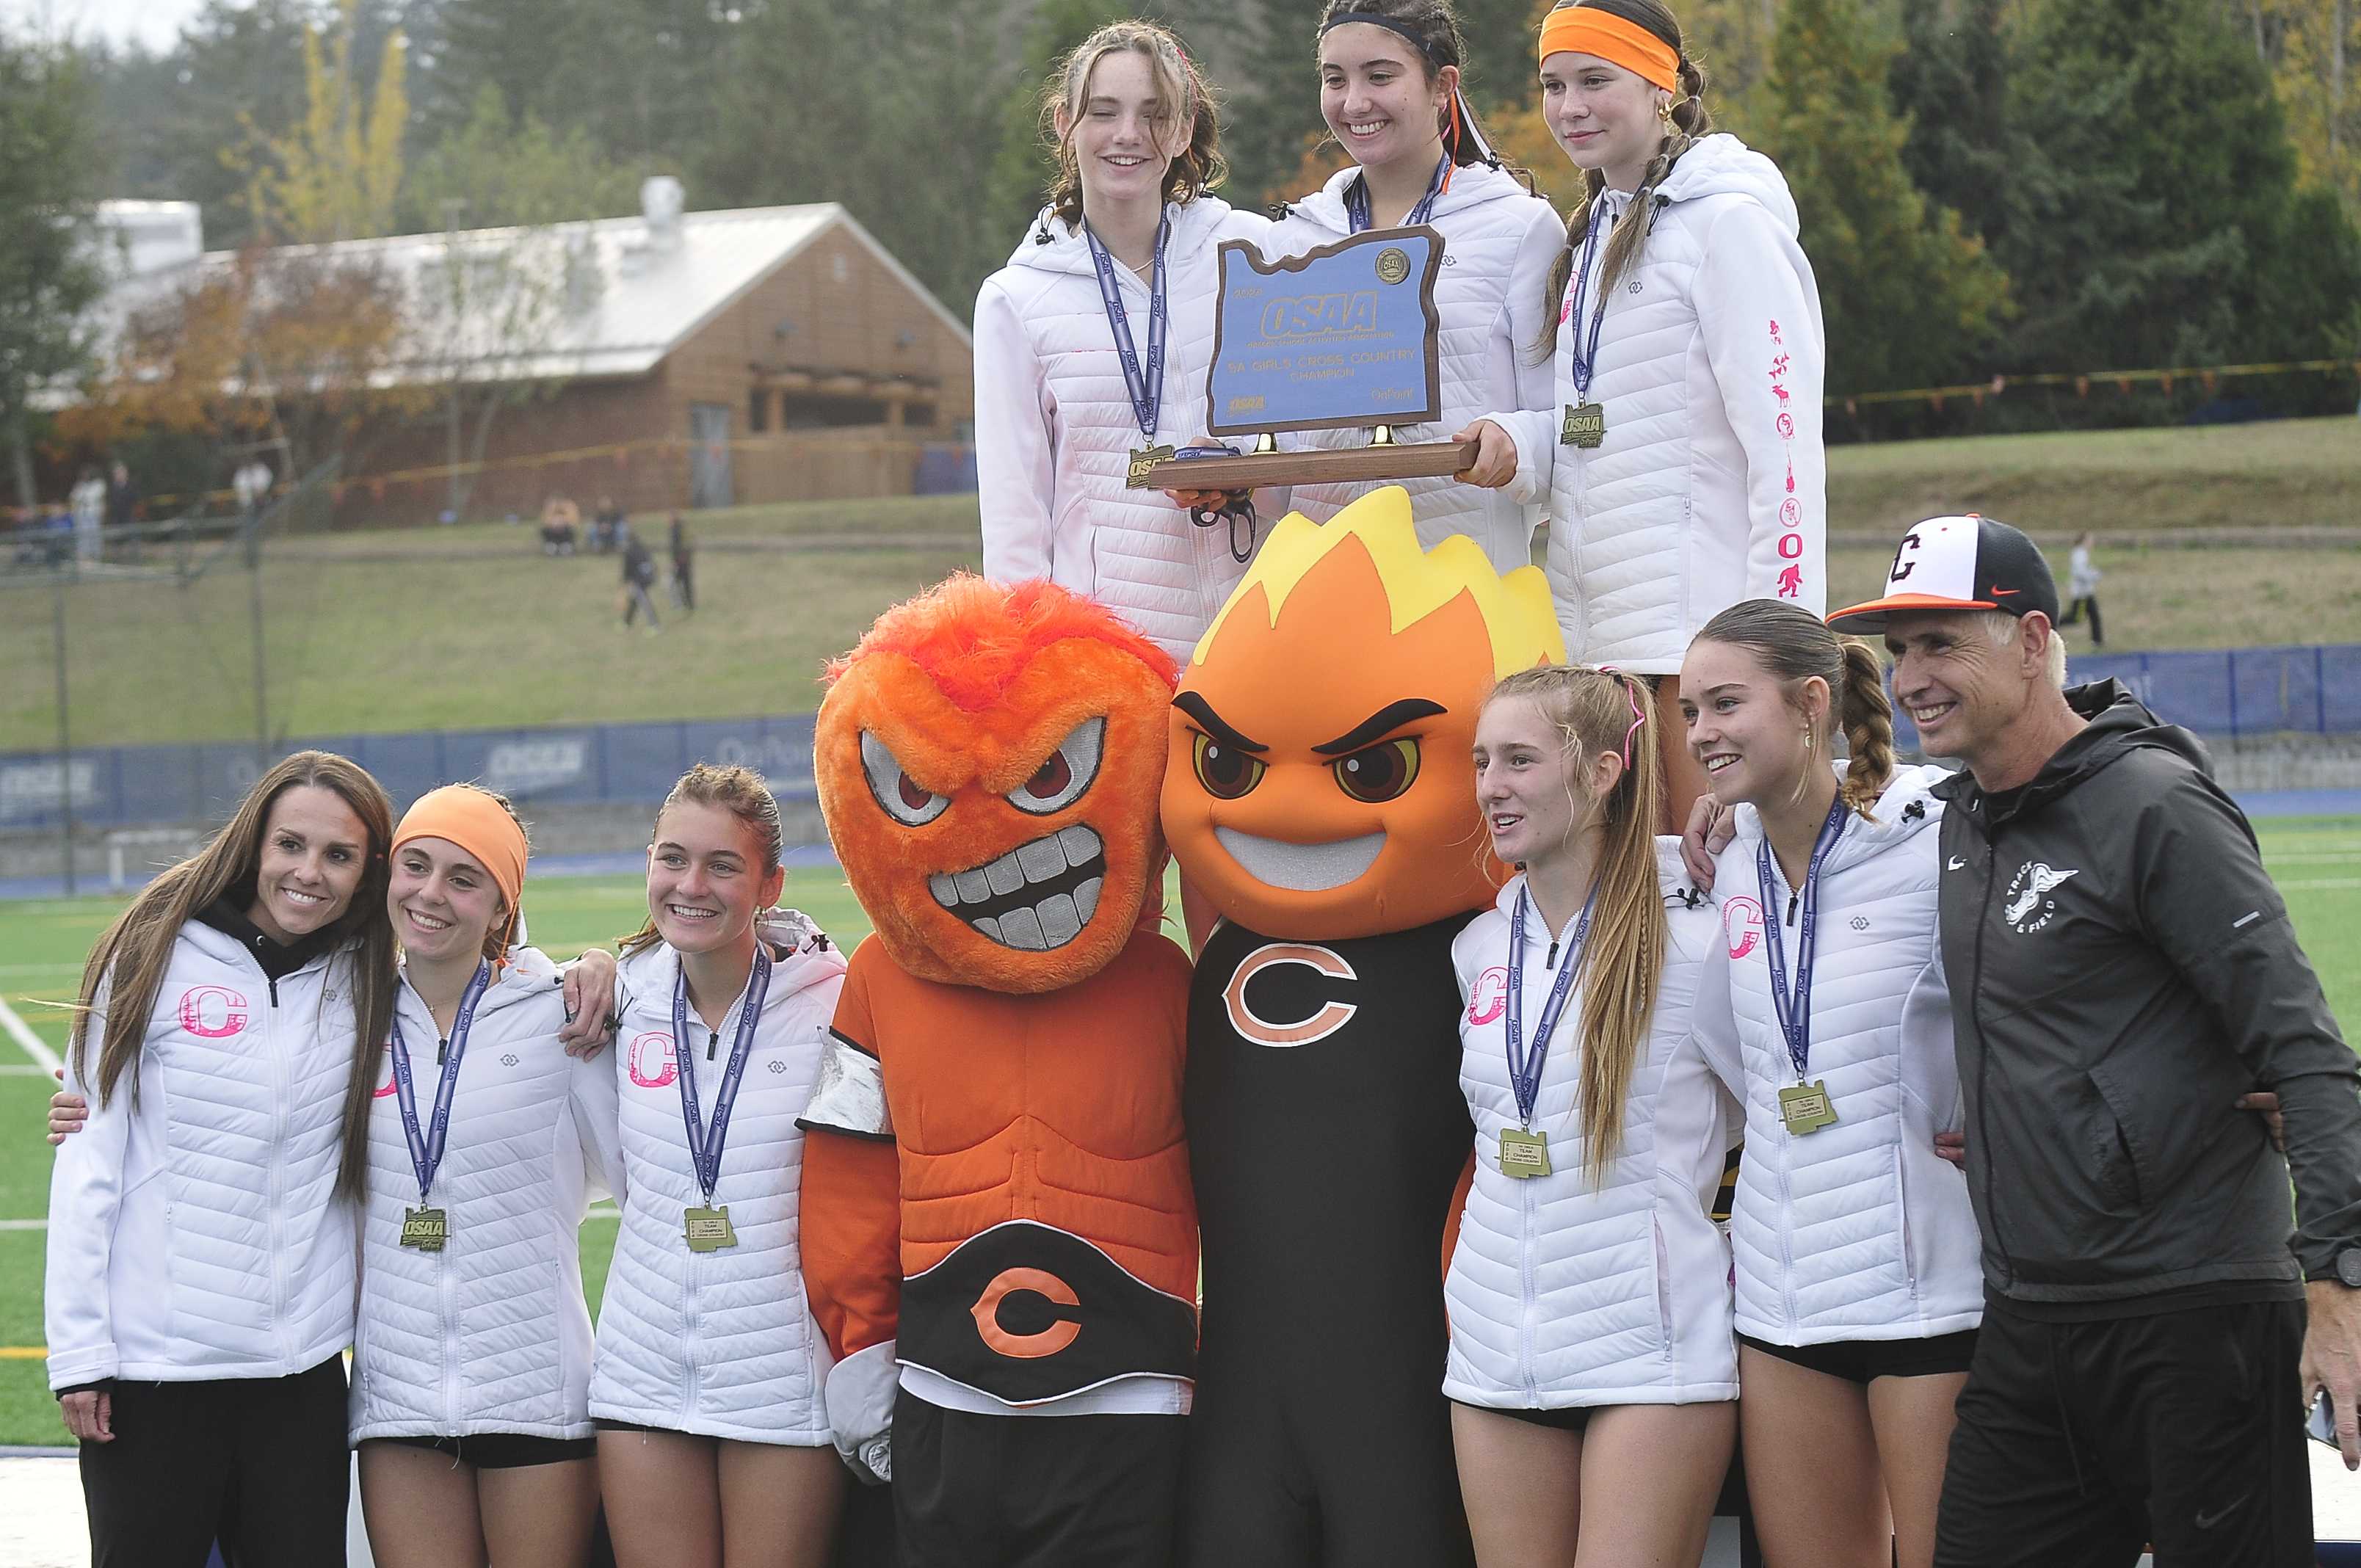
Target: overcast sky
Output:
[(155, 23)]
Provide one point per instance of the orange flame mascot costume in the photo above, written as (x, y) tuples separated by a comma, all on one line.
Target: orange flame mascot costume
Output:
[(1000, 1243), (1320, 793)]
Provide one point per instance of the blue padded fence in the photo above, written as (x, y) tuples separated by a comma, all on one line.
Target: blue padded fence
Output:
[(2236, 692)]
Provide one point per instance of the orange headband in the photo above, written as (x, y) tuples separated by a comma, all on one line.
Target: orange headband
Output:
[(465, 815), (1588, 30)]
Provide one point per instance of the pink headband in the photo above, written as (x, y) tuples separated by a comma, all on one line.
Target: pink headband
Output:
[(1638, 715)]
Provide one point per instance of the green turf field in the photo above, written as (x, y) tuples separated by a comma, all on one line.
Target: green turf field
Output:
[(2316, 860)]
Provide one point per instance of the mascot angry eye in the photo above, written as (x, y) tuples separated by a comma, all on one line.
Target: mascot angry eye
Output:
[(988, 760)]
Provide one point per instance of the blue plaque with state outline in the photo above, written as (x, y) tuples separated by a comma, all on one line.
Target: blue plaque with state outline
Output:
[(1340, 336)]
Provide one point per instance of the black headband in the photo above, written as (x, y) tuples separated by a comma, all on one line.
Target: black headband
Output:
[(1389, 22)]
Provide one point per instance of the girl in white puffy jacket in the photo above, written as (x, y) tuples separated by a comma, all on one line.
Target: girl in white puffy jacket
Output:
[(1859, 1287), (1389, 93), (1681, 461), (199, 1293), (709, 1388), (1094, 343), (1591, 1367), (471, 1366)]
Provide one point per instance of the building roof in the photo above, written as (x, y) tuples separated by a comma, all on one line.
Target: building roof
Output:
[(604, 297)]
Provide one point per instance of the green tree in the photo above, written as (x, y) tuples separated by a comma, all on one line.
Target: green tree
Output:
[(51, 266), (1906, 297), (1023, 167), (2147, 242), (1951, 84), (496, 171)]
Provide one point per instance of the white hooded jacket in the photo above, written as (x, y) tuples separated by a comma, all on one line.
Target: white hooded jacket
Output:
[(1055, 427), (1499, 241), (719, 1343), (195, 1232), (1856, 1231), (1562, 1293), (491, 1334), (1710, 485)]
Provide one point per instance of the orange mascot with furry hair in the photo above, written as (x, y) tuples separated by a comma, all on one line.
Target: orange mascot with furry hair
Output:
[(999, 1242)]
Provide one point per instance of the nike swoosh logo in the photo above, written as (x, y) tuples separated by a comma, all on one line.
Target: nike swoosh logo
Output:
[(1954, 863), (2006, 593), (2207, 1521)]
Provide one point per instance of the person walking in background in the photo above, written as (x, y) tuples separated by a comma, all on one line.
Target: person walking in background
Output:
[(89, 501), (684, 584), (1682, 469), (2121, 972), (251, 485), (2082, 586), (606, 526), (639, 575), (123, 509)]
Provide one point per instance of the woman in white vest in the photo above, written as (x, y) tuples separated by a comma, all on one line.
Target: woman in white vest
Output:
[(710, 1385), (1859, 1288), (1389, 93), (1092, 344), (1591, 1365), (199, 1292), (471, 1369), (1681, 459)]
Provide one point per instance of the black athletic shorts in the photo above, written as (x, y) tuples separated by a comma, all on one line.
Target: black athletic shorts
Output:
[(1863, 1361), (503, 1450), (1572, 1418), (2079, 1442)]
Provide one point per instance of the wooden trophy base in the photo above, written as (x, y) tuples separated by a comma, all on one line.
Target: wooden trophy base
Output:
[(1356, 464)]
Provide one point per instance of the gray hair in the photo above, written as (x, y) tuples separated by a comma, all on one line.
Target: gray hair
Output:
[(2005, 629)]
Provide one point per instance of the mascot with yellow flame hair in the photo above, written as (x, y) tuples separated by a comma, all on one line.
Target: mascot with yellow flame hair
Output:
[(1320, 793), (999, 1241)]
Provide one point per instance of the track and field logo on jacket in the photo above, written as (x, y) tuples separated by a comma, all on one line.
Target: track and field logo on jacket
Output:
[(2029, 906), (212, 1012)]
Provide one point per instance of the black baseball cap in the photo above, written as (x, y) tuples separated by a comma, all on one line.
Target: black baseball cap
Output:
[(1958, 563)]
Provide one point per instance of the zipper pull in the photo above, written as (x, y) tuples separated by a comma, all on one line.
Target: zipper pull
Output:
[(1791, 898), (442, 1051), (712, 1040), (1551, 963)]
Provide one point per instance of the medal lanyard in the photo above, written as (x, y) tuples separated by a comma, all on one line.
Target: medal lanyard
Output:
[(1525, 1068), (1584, 357), (1795, 1009), (1356, 201), (1146, 389), (426, 1150), (705, 1142)]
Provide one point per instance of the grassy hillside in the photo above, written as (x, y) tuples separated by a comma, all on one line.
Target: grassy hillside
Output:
[(467, 627)]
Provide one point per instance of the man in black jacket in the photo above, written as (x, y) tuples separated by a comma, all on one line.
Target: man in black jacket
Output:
[(2121, 970)]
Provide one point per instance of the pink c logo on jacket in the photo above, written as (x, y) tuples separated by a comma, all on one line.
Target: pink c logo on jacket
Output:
[(212, 1012), (385, 1088), (1741, 925), (1488, 998), (651, 1060)]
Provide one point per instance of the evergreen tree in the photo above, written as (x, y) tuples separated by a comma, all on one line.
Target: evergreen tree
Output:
[(2164, 225), (1906, 297), (1950, 83), (1023, 167)]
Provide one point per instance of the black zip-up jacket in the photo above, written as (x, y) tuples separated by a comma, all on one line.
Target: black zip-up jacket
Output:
[(2121, 970)]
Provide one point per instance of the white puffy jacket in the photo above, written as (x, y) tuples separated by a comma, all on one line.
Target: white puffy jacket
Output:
[(1563, 1294), (1055, 429), (719, 1343), (489, 1335), (1710, 487), (194, 1228), (1857, 1230), (1499, 241)]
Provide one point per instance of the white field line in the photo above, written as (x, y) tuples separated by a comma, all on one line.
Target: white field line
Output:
[(35, 1046), (22, 1069), (2334, 881), (24, 1224)]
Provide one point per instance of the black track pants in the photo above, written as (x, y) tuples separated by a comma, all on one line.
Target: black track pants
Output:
[(257, 1463), (2080, 1442)]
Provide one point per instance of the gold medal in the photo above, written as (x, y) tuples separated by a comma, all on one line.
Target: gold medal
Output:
[(1143, 459), (1805, 1107), (1524, 1153), (1585, 426), (708, 1230), (425, 1229)]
